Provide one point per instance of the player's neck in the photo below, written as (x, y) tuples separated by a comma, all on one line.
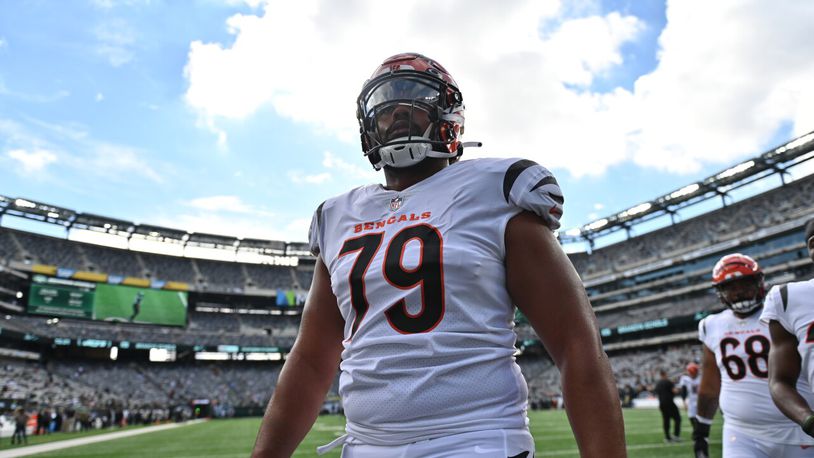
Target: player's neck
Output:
[(402, 178)]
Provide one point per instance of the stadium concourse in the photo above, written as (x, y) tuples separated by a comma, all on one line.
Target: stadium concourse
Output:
[(240, 313)]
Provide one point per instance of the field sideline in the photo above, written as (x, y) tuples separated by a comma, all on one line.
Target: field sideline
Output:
[(234, 438)]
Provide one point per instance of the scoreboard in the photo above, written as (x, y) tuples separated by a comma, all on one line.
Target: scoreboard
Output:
[(99, 301), (59, 300)]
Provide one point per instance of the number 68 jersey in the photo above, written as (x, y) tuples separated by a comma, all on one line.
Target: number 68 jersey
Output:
[(741, 348), (420, 281)]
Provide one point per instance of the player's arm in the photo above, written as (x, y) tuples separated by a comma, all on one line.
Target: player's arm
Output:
[(784, 370), (710, 387), (708, 391), (307, 375), (546, 288)]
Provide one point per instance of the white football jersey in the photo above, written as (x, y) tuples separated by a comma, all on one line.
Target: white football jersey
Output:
[(741, 348), (691, 385), (420, 280), (792, 305)]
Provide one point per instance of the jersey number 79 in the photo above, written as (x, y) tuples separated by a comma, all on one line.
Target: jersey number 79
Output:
[(427, 275)]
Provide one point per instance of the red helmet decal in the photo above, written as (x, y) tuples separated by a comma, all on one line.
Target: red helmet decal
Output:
[(734, 266)]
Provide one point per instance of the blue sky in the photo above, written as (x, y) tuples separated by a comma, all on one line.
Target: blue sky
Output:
[(237, 117)]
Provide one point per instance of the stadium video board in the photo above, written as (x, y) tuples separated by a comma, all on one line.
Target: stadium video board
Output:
[(99, 301)]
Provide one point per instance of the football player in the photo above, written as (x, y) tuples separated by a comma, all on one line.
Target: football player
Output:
[(790, 313), (136, 305), (735, 369), (414, 291), (688, 383)]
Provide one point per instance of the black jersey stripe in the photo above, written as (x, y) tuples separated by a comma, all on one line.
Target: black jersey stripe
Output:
[(546, 180), (784, 296), (549, 180), (319, 214), (512, 173), (317, 249)]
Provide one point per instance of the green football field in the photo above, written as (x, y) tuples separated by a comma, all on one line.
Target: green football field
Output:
[(115, 303), (234, 438)]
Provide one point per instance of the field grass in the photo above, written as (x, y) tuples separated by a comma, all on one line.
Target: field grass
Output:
[(115, 302), (234, 438), (5, 441)]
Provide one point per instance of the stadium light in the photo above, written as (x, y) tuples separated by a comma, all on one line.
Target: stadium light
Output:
[(211, 356), (19, 294), (794, 144), (742, 167), (24, 203), (114, 353), (641, 208), (685, 191), (53, 215), (598, 224)]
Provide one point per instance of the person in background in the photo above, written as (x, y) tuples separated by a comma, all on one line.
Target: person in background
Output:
[(666, 391), (735, 369), (688, 384), (20, 423)]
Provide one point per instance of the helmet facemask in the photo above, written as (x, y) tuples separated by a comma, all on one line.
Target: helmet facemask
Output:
[(743, 295), (406, 116)]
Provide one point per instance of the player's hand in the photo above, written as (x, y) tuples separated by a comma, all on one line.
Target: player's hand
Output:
[(701, 438)]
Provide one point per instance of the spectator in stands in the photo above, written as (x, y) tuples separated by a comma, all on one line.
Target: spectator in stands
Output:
[(20, 422), (666, 391), (412, 115), (789, 311)]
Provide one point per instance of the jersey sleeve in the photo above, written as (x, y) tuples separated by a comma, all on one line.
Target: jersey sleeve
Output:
[(315, 232), (773, 309), (530, 186), (703, 334)]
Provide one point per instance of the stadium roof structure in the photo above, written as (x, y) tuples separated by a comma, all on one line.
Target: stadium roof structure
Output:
[(97, 223), (71, 219), (36, 211), (774, 161)]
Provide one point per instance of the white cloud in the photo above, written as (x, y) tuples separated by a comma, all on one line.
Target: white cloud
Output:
[(3, 43), (250, 3), (78, 151), (298, 177), (598, 206), (35, 98), (110, 4), (348, 169), (118, 161), (244, 226), (99, 97), (221, 204), (583, 48), (336, 167), (32, 161), (115, 41), (717, 93)]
